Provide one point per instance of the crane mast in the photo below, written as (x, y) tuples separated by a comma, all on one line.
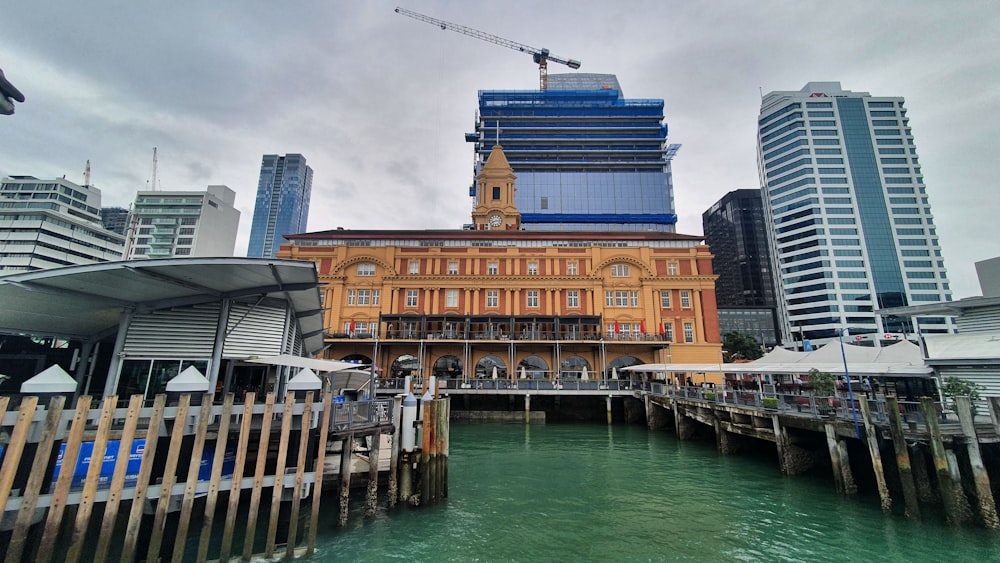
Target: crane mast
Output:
[(540, 56)]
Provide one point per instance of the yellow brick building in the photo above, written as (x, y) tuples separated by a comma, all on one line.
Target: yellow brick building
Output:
[(500, 301)]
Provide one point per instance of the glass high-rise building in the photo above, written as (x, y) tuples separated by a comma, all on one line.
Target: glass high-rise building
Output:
[(282, 205), (586, 157), (848, 214)]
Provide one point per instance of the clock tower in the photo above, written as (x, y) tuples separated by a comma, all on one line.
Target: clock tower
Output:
[(495, 208)]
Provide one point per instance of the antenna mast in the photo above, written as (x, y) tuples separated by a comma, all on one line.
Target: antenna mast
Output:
[(153, 182), (86, 174)]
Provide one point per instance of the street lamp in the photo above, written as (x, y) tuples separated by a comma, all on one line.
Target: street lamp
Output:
[(850, 391)]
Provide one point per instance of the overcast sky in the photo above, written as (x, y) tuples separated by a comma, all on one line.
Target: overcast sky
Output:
[(379, 103)]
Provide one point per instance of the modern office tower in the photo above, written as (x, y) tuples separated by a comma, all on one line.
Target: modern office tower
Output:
[(52, 222), (184, 223), (735, 230), (115, 219), (282, 206), (848, 214), (586, 158)]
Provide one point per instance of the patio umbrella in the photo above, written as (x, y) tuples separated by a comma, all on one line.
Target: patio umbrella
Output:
[(524, 373), (494, 372), (583, 374), (614, 373)]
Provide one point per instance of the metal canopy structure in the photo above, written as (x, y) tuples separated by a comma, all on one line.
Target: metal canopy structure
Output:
[(87, 301)]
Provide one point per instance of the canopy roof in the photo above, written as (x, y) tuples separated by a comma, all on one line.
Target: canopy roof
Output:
[(87, 301), (902, 359), (977, 347)]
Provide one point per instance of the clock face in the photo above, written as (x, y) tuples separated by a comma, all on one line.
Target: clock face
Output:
[(496, 220)]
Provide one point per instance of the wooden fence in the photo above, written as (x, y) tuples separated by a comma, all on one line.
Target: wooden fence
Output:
[(51, 492)]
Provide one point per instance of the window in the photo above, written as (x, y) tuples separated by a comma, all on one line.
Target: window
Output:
[(189, 221), (571, 268), (685, 299), (609, 299), (376, 294), (573, 299), (665, 299), (187, 231), (621, 298), (532, 268), (414, 267), (366, 269), (668, 331), (142, 240), (452, 268), (411, 298), (149, 230), (492, 268), (496, 193), (492, 298), (352, 296), (532, 298), (688, 332), (672, 268), (451, 298), (619, 270), (182, 252), (184, 241), (140, 251), (633, 298)]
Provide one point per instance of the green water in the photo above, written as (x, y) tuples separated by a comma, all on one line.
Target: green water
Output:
[(579, 492)]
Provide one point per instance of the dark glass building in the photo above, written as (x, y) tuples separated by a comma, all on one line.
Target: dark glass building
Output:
[(282, 205), (115, 219)]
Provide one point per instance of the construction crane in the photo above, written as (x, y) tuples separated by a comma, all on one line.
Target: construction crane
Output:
[(540, 56)]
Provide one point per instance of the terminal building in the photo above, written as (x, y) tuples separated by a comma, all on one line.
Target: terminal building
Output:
[(586, 157), (46, 223), (499, 300), (848, 216)]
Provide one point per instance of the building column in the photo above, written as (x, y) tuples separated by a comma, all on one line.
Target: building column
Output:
[(111, 383), (220, 342), (699, 317)]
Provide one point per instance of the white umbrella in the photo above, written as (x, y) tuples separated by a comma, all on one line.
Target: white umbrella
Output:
[(583, 374), (494, 372), (614, 373), (524, 373)]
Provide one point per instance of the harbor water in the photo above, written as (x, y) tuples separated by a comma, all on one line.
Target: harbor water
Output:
[(578, 492)]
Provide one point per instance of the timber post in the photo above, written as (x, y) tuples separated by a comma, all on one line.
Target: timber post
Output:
[(835, 460), (912, 509), (527, 408), (397, 416), (608, 402), (871, 435), (987, 506), (346, 447), (372, 492), (781, 441), (952, 496)]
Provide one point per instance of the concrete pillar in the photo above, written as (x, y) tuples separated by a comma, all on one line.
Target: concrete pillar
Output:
[(987, 506), (527, 409), (871, 437), (835, 461), (781, 441), (608, 402), (685, 426), (722, 442)]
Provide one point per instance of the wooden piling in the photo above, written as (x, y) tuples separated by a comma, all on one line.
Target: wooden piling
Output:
[(242, 444), (912, 506), (426, 479), (871, 437), (393, 487), (279, 475), (258, 476), (987, 506), (444, 439), (222, 437), (952, 496), (29, 497), (118, 479), (318, 476), (372, 493), (300, 466), (142, 481), (527, 408), (835, 460), (850, 486), (608, 402), (169, 478), (191, 483), (346, 453), (994, 405), (781, 441)]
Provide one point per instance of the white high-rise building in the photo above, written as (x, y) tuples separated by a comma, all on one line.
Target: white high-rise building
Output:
[(45, 223), (848, 215), (183, 223)]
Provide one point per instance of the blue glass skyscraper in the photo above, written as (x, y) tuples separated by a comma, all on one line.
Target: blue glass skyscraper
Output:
[(586, 158), (282, 203), (848, 214)]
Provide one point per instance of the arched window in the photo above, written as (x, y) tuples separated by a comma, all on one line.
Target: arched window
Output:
[(615, 365), (448, 367), (405, 365), (486, 366), (532, 367), (575, 367)]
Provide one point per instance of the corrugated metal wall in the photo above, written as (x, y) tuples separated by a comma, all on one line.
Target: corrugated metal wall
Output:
[(979, 320), (257, 334), (186, 332)]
